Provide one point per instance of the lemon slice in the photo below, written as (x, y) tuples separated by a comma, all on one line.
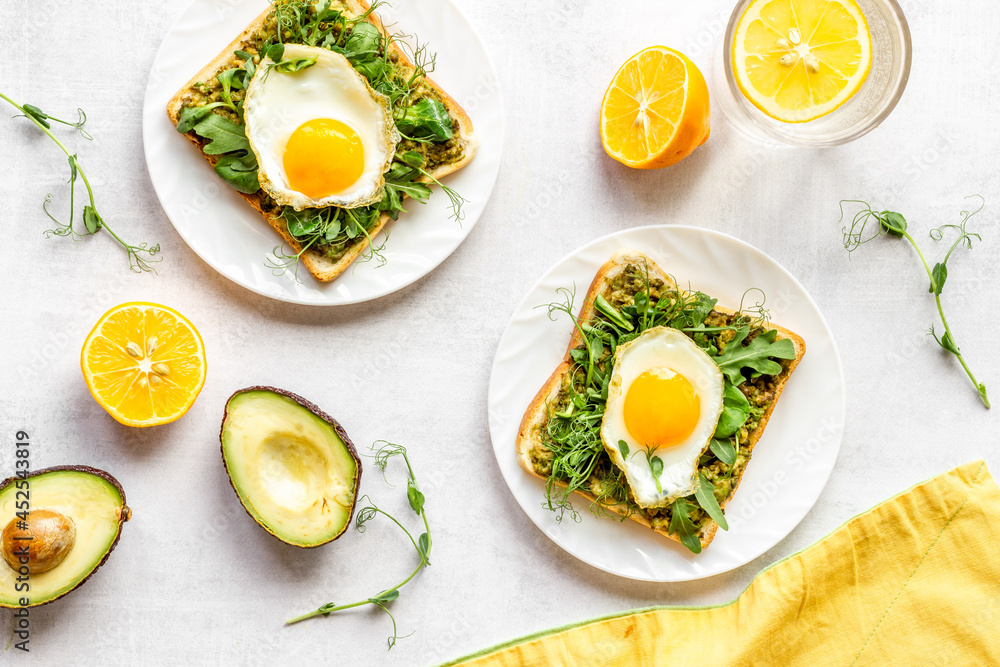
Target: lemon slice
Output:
[(144, 363), (656, 110), (798, 60)]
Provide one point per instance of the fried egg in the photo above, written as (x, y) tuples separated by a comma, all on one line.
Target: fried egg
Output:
[(322, 135), (664, 400)]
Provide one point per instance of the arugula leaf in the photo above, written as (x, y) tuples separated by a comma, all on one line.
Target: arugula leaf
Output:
[(399, 182), (413, 190), (232, 79), (374, 69), (757, 355), (705, 495), (735, 411), (411, 159), (224, 135), (240, 171), (682, 526), (362, 51), (190, 116), (426, 121), (724, 450), (363, 43), (703, 307)]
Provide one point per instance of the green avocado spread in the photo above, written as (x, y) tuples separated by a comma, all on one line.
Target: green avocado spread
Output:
[(568, 453)]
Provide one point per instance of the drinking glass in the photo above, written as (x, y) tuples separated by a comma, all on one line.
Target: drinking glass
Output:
[(862, 113)]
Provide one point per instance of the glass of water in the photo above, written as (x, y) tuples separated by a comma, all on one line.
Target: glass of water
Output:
[(873, 102)]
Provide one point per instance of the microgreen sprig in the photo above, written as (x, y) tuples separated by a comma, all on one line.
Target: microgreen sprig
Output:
[(141, 256), (894, 224), (421, 544)]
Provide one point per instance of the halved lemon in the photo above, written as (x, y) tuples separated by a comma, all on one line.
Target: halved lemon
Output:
[(144, 363), (797, 60), (656, 110)]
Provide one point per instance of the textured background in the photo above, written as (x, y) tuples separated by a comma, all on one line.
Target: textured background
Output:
[(194, 581)]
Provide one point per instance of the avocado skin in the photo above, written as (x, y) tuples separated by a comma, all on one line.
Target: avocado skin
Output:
[(126, 514), (313, 408)]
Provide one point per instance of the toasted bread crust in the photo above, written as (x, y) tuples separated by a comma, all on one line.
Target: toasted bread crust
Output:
[(321, 267), (536, 416)]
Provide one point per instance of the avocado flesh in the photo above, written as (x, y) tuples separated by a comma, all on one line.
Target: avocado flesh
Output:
[(292, 466), (97, 508)]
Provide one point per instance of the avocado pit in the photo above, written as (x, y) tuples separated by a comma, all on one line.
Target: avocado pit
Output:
[(41, 542)]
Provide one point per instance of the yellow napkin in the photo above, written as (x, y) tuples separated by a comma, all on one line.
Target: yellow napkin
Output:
[(914, 581)]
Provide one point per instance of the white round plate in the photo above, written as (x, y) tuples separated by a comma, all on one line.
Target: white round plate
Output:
[(792, 461), (228, 234)]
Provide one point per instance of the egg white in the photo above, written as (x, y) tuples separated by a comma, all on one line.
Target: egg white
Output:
[(277, 104), (665, 350)]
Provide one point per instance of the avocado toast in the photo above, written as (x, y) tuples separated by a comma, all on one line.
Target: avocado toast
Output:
[(208, 110), (558, 439)]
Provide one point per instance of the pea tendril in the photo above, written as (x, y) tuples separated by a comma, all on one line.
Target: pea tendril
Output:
[(140, 257), (421, 544), (894, 224)]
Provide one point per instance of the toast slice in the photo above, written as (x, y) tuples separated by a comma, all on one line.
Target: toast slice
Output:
[(530, 439), (323, 268)]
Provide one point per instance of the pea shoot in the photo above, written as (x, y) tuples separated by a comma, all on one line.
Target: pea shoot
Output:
[(140, 257), (894, 224), (421, 544)]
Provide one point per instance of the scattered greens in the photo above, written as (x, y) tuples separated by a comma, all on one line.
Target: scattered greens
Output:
[(735, 410), (420, 119), (421, 544), (758, 355), (579, 461), (282, 65), (655, 465), (705, 493), (724, 449), (894, 224), (425, 121), (140, 257), (682, 525)]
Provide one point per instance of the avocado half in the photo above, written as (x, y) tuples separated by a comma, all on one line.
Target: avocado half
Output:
[(291, 464), (75, 519)]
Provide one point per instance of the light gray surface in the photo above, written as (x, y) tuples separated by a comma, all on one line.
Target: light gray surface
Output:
[(194, 581)]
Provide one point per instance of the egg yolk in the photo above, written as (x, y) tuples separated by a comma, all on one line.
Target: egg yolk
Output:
[(323, 157), (661, 408)]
